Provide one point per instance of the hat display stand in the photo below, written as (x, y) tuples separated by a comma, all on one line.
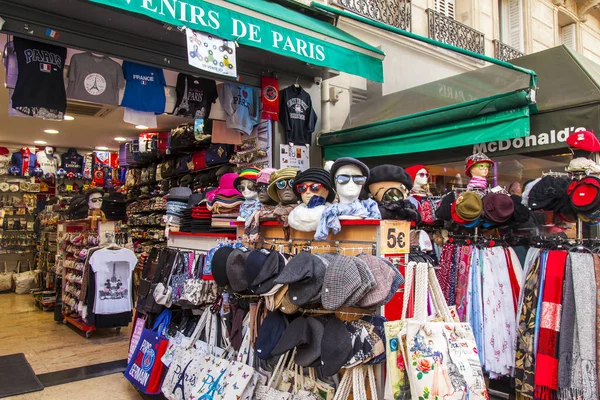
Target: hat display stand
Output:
[(386, 238)]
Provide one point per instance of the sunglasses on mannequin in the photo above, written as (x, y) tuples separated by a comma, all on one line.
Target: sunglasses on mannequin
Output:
[(344, 179), (423, 175), (243, 186), (96, 200), (314, 188), (282, 184)]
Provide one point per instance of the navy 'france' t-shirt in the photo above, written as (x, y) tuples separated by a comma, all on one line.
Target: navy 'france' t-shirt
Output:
[(145, 89)]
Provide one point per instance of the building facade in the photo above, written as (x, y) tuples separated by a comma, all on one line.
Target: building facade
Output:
[(502, 29)]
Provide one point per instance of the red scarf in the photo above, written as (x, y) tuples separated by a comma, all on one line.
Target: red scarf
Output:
[(270, 98), (546, 361), (25, 153)]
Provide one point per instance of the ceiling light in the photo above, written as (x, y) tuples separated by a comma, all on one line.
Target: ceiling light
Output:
[(51, 131), (141, 127), (68, 118), (39, 142), (120, 139), (101, 148)]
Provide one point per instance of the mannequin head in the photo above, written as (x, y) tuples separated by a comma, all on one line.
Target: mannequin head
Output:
[(314, 182), (248, 189), (94, 199), (349, 180), (49, 150), (389, 183), (478, 165), (281, 186), (263, 195), (480, 170), (422, 177)]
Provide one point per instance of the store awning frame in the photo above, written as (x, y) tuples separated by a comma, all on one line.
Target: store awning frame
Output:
[(267, 26)]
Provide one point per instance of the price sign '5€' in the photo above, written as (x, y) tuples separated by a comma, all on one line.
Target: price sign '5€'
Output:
[(394, 237)]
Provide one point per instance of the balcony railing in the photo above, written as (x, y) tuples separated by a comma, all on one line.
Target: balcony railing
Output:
[(391, 12), (449, 31), (504, 52)]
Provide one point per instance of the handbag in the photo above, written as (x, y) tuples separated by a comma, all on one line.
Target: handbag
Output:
[(138, 327), (6, 279), (193, 287), (322, 390), (268, 392), (144, 370), (24, 281), (441, 358), (162, 291), (180, 274), (353, 382)]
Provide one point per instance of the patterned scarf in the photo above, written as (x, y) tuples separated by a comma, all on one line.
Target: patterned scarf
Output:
[(524, 358), (583, 383), (477, 182), (546, 369), (443, 273), (462, 280), (597, 270), (453, 271)]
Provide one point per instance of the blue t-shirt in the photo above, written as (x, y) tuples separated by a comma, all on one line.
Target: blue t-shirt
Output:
[(145, 89)]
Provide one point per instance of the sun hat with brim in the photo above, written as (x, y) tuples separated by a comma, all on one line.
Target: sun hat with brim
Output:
[(498, 207), (280, 175), (316, 175), (307, 354), (340, 162), (455, 217), (250, 173), (226, 187), (469, 206), (179, 194), (336, 347), (269, 334), (236, 264), (477, 158), (297, 333)]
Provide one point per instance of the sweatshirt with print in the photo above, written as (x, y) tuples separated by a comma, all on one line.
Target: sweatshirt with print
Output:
[(242, 105), (297, 115)]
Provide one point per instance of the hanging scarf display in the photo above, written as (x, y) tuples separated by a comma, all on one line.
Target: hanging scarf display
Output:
[(546, 366), (475, 304), (445, 270), (524, 358), (462, 280), (597, 270), (270, 98), (453, 271), (577, 365)]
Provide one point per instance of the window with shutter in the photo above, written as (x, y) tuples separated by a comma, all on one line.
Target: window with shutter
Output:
[(445, 7), (511, 23), (358, 95), (568, 35)]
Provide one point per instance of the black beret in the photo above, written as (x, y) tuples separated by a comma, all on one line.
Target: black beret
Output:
[(390, 173), (340, 162)]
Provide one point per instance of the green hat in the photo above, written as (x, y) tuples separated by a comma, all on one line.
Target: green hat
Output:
[(469, 206)]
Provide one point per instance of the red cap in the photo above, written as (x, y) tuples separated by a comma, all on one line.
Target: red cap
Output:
[(584, 140), (412, 170), (455, 216), (4, 151)]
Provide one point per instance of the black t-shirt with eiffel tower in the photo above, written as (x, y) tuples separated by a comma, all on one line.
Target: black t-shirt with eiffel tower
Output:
[(95, 78), (195, 96)]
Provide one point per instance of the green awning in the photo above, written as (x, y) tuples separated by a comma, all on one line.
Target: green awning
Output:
[(509, 124), (269, 26)]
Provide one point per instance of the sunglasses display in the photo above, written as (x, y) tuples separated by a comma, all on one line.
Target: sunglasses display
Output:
[(344, 179), (314, 188), (282, 184), (243, 186), (97, 200)]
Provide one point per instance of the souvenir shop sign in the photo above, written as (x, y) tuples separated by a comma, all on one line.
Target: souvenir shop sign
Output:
[(314, 41), (294, 157), (210, 53), (394, 237)]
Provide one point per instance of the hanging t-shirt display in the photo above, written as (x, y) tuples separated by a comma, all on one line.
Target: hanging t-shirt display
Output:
[(242, 105), (195, 96), (40, 88), (24, 160), (297, 115), (113, 270), (95, 78), (145, 89), (48, 161), (72, 162)]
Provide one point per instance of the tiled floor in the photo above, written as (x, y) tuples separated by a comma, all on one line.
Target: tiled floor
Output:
[(50, 346)]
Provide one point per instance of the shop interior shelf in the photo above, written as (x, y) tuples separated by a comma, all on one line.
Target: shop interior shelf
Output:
[(217, 235)]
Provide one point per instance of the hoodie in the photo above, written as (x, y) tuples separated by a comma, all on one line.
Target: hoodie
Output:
[(297, 115), (242, 106)]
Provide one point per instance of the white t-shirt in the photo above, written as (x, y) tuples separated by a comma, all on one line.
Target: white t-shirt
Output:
[(113, 269), (49, 164)]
